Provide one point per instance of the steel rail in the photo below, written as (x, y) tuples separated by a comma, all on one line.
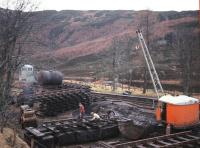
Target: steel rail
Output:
[(165, 141)]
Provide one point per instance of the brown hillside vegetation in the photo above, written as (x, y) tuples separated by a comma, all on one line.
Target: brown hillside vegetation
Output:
[(73, 41)]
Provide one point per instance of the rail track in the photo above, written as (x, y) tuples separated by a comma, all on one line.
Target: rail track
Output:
[(139, 101), (181, 139)]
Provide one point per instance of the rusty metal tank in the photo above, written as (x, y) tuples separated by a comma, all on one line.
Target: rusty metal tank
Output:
[(50, 77)]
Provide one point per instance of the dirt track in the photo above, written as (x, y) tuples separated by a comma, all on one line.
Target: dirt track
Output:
[(7, 137)]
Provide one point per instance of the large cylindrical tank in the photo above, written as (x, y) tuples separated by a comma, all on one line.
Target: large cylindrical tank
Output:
[(50, 77)]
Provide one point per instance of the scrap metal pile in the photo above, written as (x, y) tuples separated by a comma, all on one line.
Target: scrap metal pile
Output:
[(71, 131)]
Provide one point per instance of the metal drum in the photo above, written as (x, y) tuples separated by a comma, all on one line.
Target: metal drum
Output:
[(50, 77)]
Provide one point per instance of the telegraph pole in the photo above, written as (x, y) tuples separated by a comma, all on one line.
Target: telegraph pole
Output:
[(199, 15)]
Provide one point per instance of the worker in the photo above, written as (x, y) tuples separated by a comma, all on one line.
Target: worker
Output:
[(95, 116), (81, 110)]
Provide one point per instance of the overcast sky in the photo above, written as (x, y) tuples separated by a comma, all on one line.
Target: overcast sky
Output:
[(157, 5)]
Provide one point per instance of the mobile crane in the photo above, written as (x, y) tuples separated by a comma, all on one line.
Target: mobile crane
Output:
[(177, 112)]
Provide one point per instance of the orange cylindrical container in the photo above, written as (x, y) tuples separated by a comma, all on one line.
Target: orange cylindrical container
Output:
[(181, 116)]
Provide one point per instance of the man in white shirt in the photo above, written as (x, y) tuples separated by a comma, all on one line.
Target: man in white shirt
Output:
[(95, 116)]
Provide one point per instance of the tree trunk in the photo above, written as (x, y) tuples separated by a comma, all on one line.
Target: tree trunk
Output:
[(115, 80), (130, 80), (1, 129), (187, 74), (14, 137), (145, 80)]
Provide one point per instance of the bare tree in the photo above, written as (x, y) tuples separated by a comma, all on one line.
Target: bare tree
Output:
[(14, 28), (116, 60), (187, 43), (128, 58), (115, 63)]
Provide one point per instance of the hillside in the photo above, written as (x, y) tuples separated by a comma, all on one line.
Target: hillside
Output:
[(79, 42)]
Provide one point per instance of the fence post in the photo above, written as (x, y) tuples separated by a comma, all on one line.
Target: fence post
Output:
[(32, 142)]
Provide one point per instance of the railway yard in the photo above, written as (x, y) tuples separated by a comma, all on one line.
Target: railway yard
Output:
[(126, 121), (86, 78), (55, 113)]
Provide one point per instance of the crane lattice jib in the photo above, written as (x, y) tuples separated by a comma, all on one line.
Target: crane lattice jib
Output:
[(151, 68)]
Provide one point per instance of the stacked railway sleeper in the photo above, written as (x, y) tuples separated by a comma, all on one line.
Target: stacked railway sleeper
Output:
[(31, 93), (58, 102), (71, 131), (54, 99), (64, 86), (182, 139)]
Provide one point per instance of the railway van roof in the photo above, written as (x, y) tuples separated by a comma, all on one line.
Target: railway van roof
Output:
[(178, 100)]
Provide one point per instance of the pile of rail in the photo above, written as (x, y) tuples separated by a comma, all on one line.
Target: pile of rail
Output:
[(64, 86), (139, 101), (182, 139), (54, 103), (71, 131)]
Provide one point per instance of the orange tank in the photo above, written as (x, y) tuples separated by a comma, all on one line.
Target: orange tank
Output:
[(180, 112)]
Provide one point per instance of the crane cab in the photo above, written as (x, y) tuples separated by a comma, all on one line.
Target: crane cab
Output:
[(27, 74), (180, 111)]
